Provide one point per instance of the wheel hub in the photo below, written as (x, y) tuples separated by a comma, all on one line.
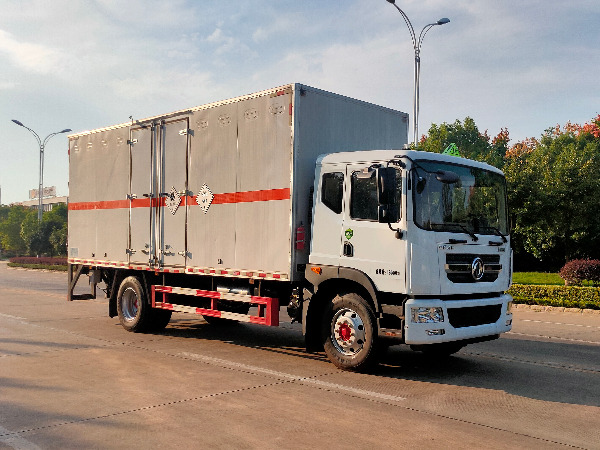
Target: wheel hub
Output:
[(347, 332), (130, 304)]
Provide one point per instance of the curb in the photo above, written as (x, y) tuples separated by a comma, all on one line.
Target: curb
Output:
[(542, 308)]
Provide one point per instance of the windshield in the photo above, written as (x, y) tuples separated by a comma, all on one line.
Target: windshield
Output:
[(476, 203)]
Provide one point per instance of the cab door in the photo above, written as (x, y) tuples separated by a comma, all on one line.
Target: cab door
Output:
[(326, 241), (367, 245)]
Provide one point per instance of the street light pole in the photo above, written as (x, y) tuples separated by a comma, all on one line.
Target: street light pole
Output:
[(417, 42), (42, 144)]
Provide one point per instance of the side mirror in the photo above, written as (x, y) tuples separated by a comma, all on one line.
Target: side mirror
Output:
[(386, 185), (387, 210)]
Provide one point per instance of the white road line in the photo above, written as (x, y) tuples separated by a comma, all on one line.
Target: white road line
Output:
[(13, 440), (291, 377), (560, 323), (553, 337)]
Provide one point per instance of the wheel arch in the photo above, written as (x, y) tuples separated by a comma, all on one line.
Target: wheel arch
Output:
[(326, 284)]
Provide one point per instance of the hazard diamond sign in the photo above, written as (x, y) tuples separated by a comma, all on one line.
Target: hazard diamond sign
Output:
[(204, 198)]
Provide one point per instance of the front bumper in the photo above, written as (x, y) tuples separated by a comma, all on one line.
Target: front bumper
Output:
[(430, 321)]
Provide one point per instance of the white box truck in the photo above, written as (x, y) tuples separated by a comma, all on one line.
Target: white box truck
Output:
[(293, 196)]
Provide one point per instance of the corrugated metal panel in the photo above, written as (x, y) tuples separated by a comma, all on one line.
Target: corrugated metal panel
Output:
[(142, 241), (173, 183), (264, 155), (213, 163), (99, 172)]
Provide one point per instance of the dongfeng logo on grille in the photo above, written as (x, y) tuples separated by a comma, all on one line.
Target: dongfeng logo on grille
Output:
[(477, 269)]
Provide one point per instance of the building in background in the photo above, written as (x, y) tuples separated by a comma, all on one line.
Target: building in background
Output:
[(48, 201)]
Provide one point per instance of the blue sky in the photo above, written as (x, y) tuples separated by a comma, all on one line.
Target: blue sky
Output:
[(85, 64)]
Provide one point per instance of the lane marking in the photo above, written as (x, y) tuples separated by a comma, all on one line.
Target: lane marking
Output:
[(582, 341), (292, 377), (560, 323), (13, 440)]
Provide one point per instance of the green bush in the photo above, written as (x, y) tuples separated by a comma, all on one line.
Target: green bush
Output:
[(55, 267), (564, 296)]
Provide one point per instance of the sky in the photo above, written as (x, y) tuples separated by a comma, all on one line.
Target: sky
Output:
[(85, 64)]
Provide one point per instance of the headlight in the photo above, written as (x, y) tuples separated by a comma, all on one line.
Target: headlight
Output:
[(427, 315), (509, 307)]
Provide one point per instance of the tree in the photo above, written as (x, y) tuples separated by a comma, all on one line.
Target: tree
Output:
[(58, 240), (37, 236), (31, 233), (470, 141), (554, 186), (10, 230)]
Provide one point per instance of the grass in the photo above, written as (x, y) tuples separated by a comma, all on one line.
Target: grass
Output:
[(538, 278)]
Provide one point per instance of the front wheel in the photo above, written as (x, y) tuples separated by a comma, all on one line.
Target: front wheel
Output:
[(349, 333)]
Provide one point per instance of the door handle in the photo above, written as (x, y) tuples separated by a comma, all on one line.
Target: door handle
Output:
[(348, 249)]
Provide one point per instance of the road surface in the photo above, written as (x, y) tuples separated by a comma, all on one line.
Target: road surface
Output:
[(71, 377)]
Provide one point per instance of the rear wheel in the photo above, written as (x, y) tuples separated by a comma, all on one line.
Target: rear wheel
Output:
[(132, 308), (160, 319), (349, 333)]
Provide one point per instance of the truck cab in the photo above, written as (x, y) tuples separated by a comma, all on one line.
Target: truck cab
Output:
[(421, 238)]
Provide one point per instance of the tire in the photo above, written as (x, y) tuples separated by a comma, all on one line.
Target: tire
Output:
[(349, 333), (135, 314), (440, 351), (160, 319)]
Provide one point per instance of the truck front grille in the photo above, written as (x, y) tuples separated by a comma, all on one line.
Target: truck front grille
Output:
[(458, 267), (473, 316)]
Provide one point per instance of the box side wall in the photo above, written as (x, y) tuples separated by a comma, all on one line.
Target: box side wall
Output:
[(325, 122), (98, 172), (241, 152)]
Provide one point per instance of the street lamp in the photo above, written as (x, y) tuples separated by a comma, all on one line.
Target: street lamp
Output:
[(42, 144), (417, 46)]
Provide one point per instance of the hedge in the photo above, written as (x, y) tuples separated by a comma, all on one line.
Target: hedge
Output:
[(44, 260), (54, 267), (563, 296)]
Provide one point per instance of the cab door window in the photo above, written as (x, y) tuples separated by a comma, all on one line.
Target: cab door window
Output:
[(363, 197), (332, 191)]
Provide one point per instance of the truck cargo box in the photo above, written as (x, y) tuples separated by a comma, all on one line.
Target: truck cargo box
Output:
[(221, 189)]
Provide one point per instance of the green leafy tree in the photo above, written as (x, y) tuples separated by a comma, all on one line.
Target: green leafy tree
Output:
[(58, 240), (10, 230), (554, 187), (38, 236), (470, 141), (31, 233)]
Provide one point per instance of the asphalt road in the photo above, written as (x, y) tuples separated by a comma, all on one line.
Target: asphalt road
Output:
[(71, 377)]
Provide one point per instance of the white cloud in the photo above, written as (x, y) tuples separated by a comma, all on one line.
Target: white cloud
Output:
[(29, 56)]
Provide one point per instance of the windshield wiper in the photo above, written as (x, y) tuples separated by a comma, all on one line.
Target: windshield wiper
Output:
[(459, 225), (497, 232)]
